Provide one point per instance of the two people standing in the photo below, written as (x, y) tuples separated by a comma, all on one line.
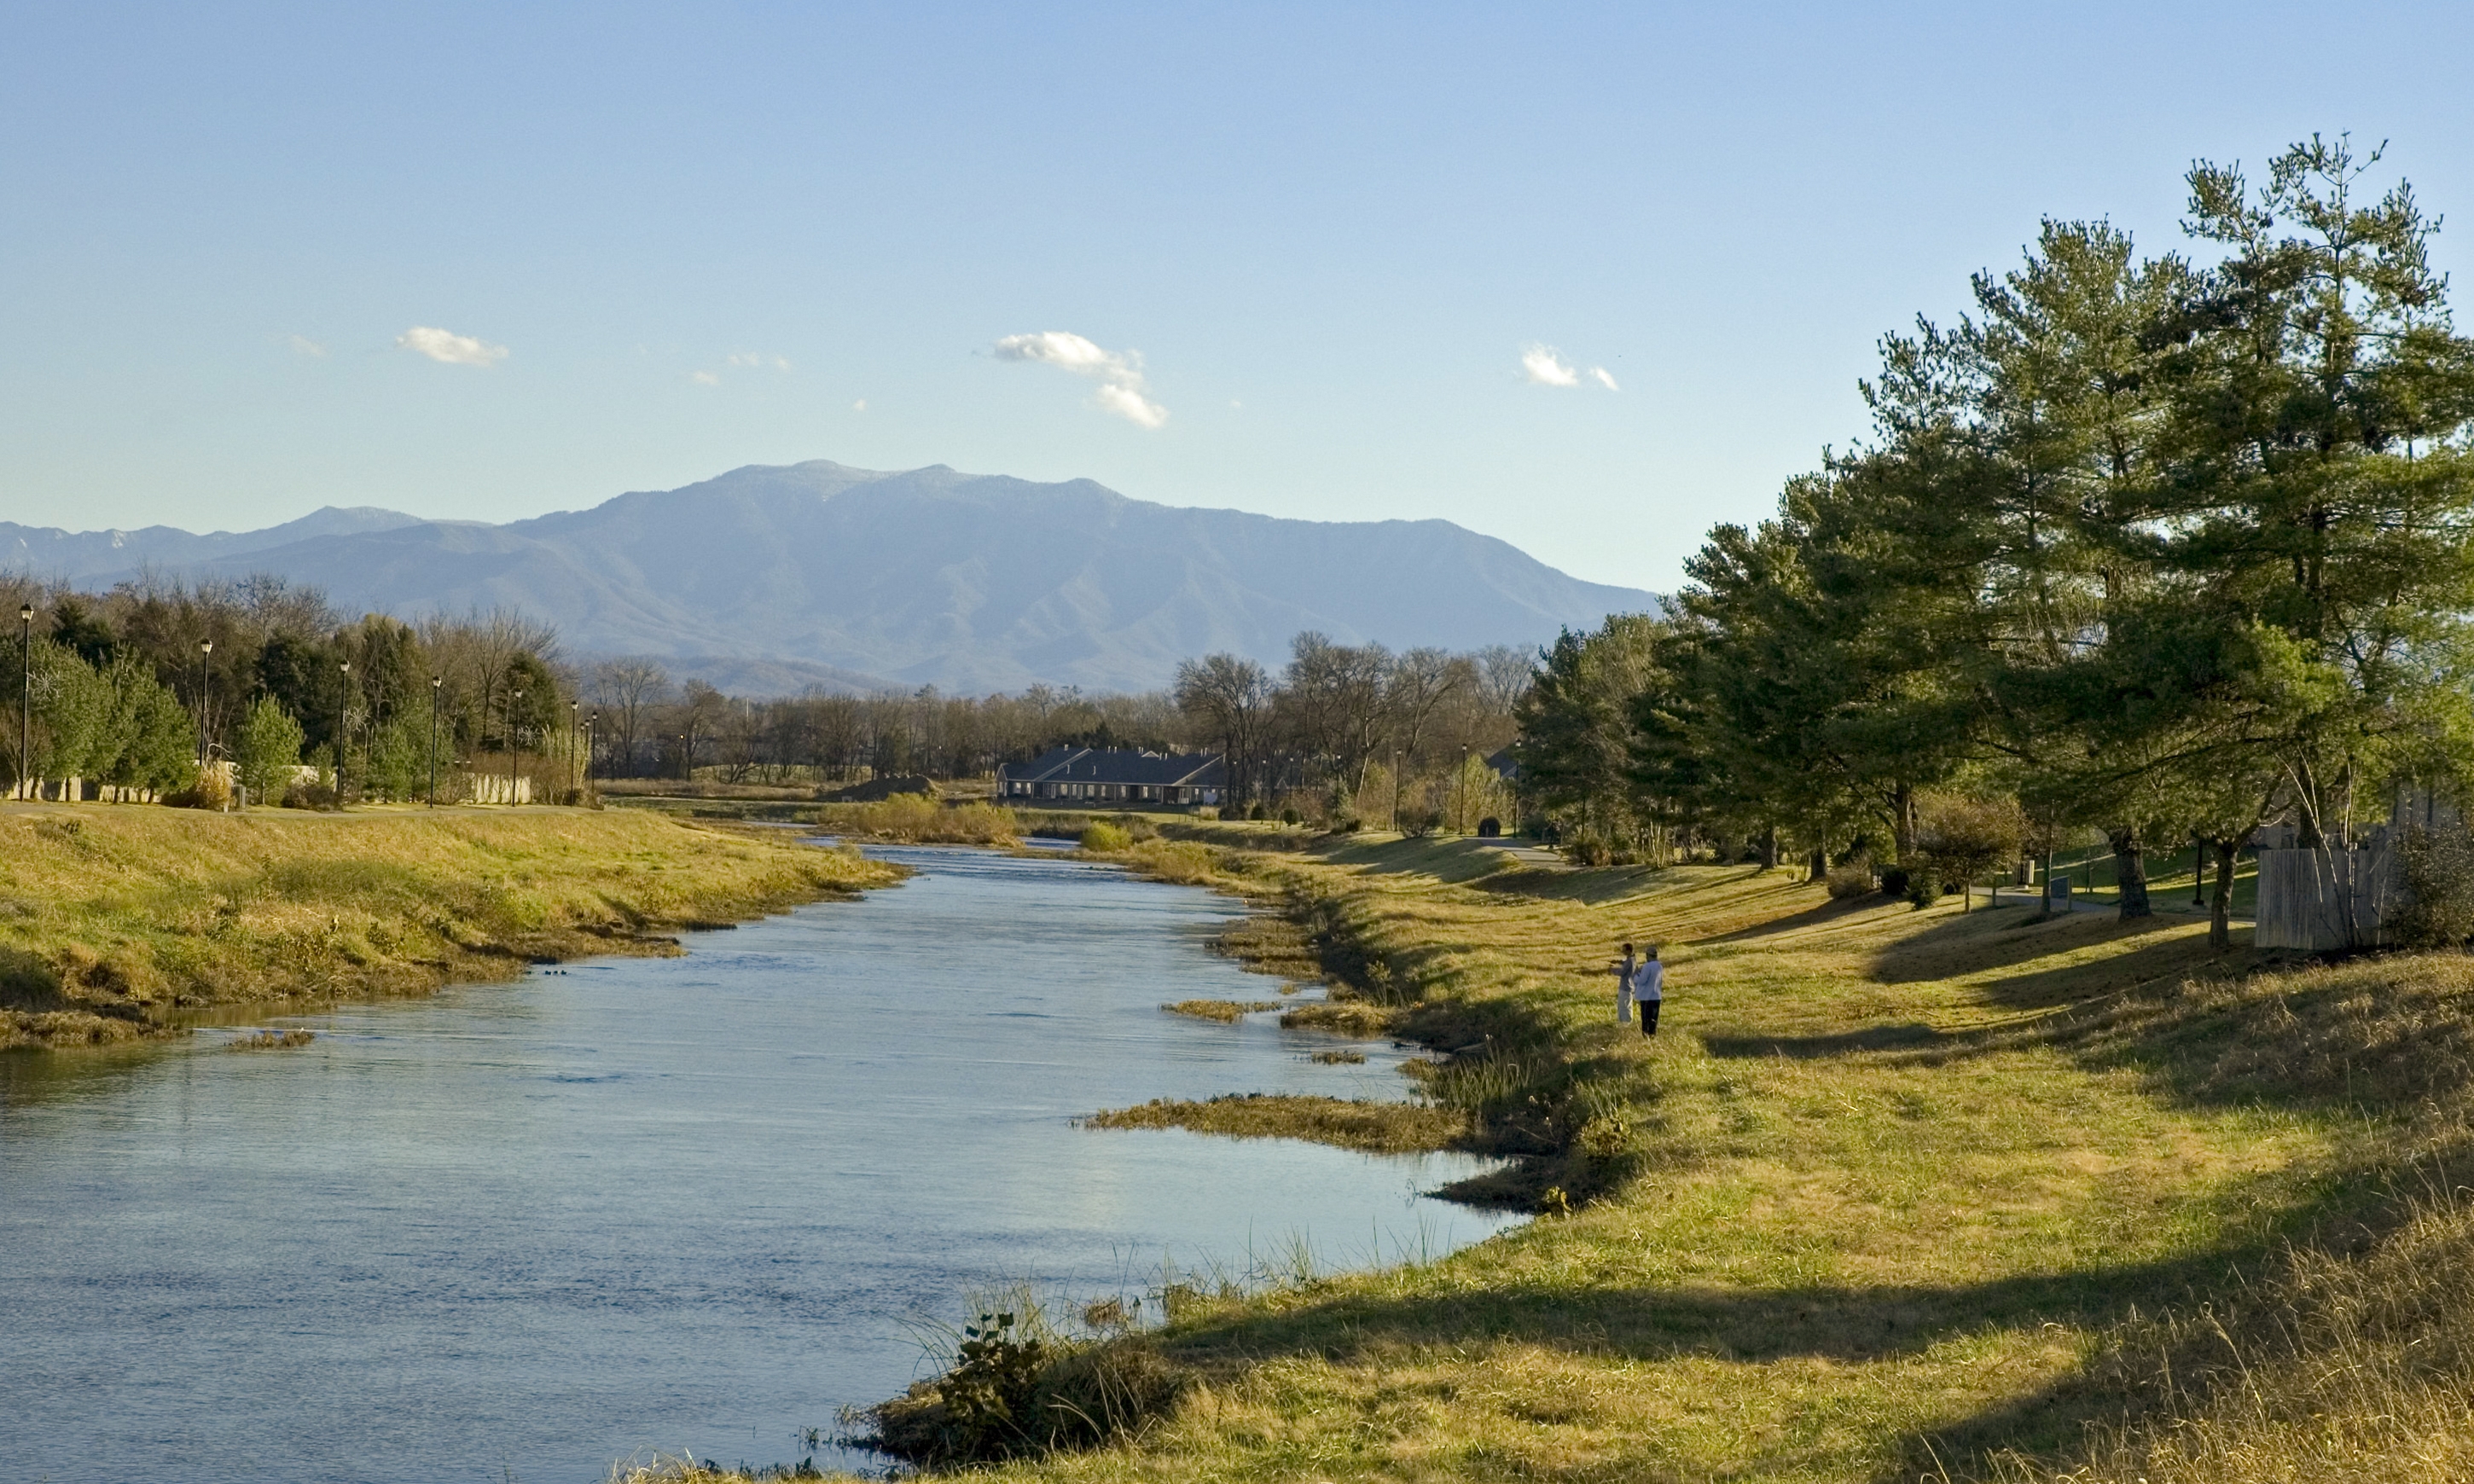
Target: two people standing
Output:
[(1640, 984)]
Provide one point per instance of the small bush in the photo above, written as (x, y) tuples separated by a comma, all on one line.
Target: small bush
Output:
[(1923, 884), (1289, 816), (1101, 839), (918, 819), (1894, 883), (319, 796), (1417, 821), (1850, 882), (1182, 862), (2440, 875)]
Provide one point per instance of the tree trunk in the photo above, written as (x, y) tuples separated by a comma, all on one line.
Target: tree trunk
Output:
[(1819, 863), (2129, 869), (1902, 823), (2220, 916), (1769, 847)]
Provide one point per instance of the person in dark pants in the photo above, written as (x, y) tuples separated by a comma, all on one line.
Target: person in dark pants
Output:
[(1647, 990), (1623, 971)]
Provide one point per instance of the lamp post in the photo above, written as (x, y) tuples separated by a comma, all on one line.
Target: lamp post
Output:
[(26, 696), (1462, 824), (513, 750), (591, 726), (343, 725), (574, 715), (205, 647), (433, 739)]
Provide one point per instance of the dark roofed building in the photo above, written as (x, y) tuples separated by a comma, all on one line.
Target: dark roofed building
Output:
[(1121, 775)]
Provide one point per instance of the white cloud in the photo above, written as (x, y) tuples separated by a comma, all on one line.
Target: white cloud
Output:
[(704, 379), (450, 348), (1131, 405), (1546, 368), (302, 344), (1118, 373), (1604, 377)]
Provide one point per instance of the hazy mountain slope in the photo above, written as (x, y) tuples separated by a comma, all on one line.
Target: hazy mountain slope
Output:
[(51, 553), (930, 576)]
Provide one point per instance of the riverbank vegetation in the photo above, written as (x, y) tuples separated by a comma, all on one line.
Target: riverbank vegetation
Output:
[(1894, 1193), (133, 688), (114, 920), (920, 819)]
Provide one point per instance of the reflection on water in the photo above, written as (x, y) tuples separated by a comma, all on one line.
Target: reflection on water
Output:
[(683, 1204)]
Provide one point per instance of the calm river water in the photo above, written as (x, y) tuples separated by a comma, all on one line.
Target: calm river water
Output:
[(520, 1232)]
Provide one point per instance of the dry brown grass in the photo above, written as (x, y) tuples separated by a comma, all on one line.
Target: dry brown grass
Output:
[(112, 917)]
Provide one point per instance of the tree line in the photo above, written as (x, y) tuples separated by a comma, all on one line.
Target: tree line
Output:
[(2161, 548), (1327, 735), (133, 688)]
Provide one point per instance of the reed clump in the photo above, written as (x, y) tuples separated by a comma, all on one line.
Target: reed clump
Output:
[(1352, 1018), (273, 1040), (1227, 1011), (1378, 1128), (917, 818)]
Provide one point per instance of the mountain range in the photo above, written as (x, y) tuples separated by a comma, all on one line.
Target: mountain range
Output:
[(773, 579)]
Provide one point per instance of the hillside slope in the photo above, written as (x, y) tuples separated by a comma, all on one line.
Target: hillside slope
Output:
[(819, 573)]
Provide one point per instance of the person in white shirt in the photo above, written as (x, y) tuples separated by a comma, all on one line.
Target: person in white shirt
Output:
[(1648, 989), (1623, 973)]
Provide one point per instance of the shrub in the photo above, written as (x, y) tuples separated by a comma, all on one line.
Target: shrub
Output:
[(1419, 821), (1290, 815), (1962, 838), (208, 790), (919, 820), (2439, 874), (1182, 862), (270, 749), (1923, 884), (1855, 879), (1893, 881), (319, 795), (1101, 839)]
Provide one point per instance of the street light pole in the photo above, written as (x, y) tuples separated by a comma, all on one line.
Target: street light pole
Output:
[(512, 699), (206, 648), (433, 739), (1463, 823), (575, 714), (343, 727), (26, 697)]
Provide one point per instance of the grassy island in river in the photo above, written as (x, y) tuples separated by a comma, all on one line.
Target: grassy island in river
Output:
[(113, 917)]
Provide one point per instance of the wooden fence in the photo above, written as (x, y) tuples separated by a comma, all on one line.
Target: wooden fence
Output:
[(2338, 897)]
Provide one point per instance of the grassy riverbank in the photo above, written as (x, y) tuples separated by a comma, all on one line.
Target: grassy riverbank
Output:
[(1893, 1194), (114, 917)]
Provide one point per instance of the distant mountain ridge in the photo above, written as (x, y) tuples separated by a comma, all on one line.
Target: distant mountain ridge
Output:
[(776, 578)]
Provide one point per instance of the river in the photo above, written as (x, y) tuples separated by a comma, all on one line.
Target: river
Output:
[(519, 1231)]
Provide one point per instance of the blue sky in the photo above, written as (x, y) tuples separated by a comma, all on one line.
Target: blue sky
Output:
[(485, 262)]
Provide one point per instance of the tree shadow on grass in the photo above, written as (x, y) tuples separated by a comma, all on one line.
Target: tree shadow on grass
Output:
[(1818, 915)]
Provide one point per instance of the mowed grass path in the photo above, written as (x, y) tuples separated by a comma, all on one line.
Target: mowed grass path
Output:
[(1895, 1176)]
